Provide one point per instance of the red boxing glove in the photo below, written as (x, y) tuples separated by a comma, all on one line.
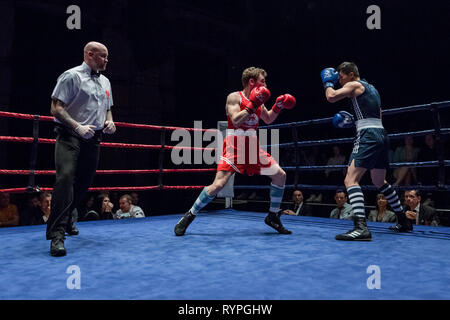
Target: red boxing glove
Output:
[(286, 101), (258, 97)]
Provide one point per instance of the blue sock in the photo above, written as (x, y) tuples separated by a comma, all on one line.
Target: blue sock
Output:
[(356, 198), (203, 199), (276, 197)]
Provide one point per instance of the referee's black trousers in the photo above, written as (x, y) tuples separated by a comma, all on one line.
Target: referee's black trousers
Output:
[(76, 161)]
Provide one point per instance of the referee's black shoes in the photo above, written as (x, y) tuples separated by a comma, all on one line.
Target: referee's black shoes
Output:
[(57, 248), (273, 220), (72, 230)]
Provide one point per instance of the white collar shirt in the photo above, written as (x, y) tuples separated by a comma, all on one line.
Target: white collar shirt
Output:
[(87, 97)]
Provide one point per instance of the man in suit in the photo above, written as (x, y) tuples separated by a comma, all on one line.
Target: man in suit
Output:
[(298, 207), (418, 212), (343, 210)]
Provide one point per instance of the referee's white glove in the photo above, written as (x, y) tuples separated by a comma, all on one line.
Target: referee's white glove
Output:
[(85, 131), (110, 127)]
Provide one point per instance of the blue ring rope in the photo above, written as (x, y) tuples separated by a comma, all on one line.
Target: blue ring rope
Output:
[(439, 105), (429, 106)]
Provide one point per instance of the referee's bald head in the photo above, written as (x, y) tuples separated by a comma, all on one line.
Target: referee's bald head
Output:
[(96, 55), (94, 47)]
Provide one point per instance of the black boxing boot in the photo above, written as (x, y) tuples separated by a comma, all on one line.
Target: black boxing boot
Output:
[(273, 220), (404, 224), (181, 226), (359, 233)]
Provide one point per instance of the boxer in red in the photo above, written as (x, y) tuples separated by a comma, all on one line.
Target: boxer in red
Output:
[(241, 150)]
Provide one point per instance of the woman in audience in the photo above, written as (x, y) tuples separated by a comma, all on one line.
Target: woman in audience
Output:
[(381, 213)]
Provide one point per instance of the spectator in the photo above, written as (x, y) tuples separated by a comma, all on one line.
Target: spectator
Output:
[(42, 212), (26, 216), (408, 153), (427, 176), (114, 198), (335, 176), (419, 213), (86, 212), (127, 209), (134, 198), (9, 214), (103, 207), (343, 209), (381, 213), (313, 157), (298, 207)]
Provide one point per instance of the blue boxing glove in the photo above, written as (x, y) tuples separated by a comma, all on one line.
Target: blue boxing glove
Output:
[(329, 77), (343, 119)]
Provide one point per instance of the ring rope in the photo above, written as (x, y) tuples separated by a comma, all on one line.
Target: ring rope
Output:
[(106, 172), (106, 144), (433, 106), (428, 106), (118, 124), (423, 164), (103, 189), (444, 131)]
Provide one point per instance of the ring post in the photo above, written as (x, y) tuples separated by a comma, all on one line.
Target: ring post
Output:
[(33, 156), (161, 158), (439, 144)]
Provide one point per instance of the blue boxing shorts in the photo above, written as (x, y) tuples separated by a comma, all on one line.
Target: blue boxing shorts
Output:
[(371, 149)]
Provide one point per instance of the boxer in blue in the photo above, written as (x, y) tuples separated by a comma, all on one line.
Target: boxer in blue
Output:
[(371, 146)]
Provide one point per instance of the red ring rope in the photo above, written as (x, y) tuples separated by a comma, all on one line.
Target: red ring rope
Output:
[(100, 189), (104, 144), (52, 172), (118, 124)]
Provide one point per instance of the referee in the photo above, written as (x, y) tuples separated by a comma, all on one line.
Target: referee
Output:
[(81, 104)]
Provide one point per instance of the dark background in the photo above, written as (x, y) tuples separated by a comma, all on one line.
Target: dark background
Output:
[(173, 62)]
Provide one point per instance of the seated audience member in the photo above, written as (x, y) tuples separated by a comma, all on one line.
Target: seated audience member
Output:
[(381, 213), (335, 176), (127, 209), (9, 214), (406, 176), (418, 212), (103, 207), (298, 207), (86, 210), (134, 198), (42, 212), (313, 157), (343, 209), (26, 215), (427, 176)]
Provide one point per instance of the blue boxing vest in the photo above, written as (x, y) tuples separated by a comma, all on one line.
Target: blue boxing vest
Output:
[(368, 104)]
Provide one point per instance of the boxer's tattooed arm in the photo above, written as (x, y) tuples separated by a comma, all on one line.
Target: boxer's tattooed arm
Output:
[(58, 111)]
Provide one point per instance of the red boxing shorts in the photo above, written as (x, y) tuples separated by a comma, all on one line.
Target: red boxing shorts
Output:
[(242, 153)]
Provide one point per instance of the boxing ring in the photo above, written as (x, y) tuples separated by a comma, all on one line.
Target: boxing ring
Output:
[(226, 254)]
